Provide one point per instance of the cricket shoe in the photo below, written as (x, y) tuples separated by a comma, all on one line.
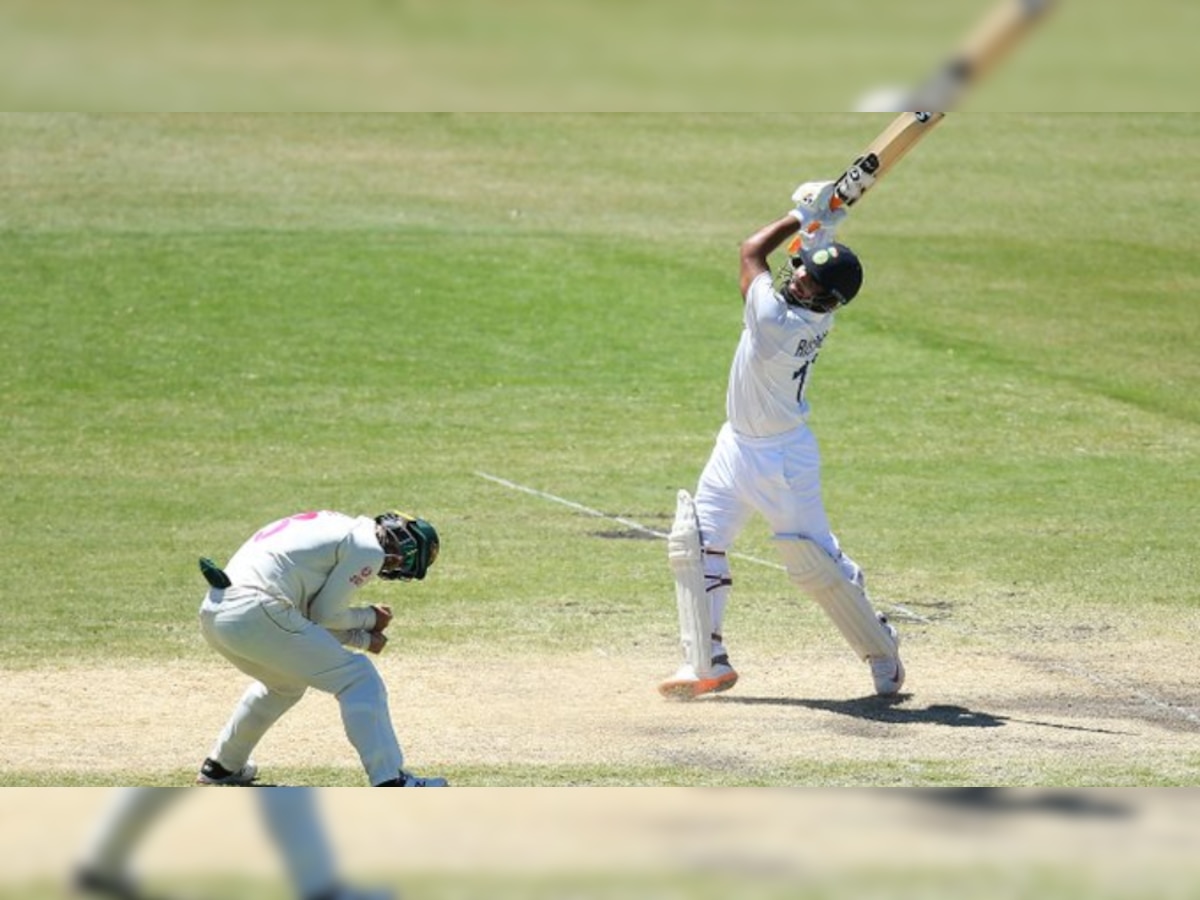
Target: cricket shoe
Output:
[(408, 779), (213, 774), (888, 671), (92, 883), (365, 894), (351, 893), (687, 685)]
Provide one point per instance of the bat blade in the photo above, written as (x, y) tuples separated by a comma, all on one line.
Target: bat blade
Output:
[(884, 152), (993, 38)]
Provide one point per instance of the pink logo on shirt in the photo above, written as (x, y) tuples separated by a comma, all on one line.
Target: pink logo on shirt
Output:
[(276, 527)]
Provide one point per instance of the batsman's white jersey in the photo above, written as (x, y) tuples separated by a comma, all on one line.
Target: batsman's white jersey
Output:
[(765, 458), (770, 370)]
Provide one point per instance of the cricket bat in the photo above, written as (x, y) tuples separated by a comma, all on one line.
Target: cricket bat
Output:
[(882, 155), (995, 36)]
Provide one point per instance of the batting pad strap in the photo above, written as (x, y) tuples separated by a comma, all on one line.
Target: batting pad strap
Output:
[(687, 564), (818, 576)]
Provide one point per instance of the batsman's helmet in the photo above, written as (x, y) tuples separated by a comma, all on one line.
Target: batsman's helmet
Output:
[(412, 542), (835, 269)]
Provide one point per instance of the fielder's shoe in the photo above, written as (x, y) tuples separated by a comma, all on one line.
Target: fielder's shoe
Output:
[(350, 893), (91, 883), (213, 774), (408, 779), (365, 894), (888, 671), (687, 685)]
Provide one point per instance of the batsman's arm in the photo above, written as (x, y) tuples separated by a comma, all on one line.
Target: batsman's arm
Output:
[(757, 249)]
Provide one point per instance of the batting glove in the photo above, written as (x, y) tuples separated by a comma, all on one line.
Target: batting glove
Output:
[(853, 184), (818, 212)]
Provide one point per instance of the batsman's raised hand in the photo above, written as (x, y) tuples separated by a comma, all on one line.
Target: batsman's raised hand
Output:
[(854, 183), (383, 618), (819, 212)]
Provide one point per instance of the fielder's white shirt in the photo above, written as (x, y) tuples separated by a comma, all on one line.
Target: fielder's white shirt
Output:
[(773, 363), (315, 561)]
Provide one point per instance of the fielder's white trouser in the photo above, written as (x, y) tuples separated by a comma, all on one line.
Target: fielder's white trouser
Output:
[(778, 477), (286, 654), (290, 815)]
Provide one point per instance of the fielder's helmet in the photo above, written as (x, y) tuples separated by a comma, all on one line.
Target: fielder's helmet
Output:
[(414, 542), (835, 269)]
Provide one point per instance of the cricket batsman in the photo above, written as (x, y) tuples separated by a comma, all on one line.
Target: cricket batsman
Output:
[(766, 459)]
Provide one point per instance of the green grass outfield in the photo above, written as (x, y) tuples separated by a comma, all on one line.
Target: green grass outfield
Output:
[(669, 55), (210, 322)]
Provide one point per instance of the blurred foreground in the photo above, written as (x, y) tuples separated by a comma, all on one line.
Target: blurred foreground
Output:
[(649, 842), (576, 55)]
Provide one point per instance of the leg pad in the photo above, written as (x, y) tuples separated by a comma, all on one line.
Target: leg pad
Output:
[(818, 576), (687, 565)]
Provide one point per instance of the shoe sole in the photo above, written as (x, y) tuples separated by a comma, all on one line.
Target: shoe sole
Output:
[(205, 782), (690, 690)]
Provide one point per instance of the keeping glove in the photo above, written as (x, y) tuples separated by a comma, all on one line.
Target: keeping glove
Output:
[(819, 213), (383, 618), (378, 641)]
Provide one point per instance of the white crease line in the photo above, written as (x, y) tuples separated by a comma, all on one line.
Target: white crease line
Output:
[(628, 523), (637, 526), (909, 614)]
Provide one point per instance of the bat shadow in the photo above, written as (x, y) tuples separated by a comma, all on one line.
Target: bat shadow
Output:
[(883, 709), (891, 711), (990, 800)]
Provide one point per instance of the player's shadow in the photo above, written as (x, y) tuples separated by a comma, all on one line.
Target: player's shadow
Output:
[(891, 711), (882, 709), (990, 800)]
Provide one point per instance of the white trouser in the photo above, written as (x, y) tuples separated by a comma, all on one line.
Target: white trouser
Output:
[(286, 654), (290, 815), (778, 477)]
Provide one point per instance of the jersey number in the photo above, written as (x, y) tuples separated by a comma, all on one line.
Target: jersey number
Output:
[(800, 376)]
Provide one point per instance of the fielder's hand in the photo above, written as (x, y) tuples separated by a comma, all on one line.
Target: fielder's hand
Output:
[(383, 618), (378, 642), (819, 212)]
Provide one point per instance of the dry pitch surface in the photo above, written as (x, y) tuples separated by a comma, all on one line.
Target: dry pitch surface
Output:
[(1087, 713)]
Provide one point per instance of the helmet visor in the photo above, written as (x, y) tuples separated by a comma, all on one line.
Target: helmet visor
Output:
[(410, 546), (402, 554)]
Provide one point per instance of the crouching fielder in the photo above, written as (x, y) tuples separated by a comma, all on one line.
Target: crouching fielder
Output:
[(766, 460), (280, 612)]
